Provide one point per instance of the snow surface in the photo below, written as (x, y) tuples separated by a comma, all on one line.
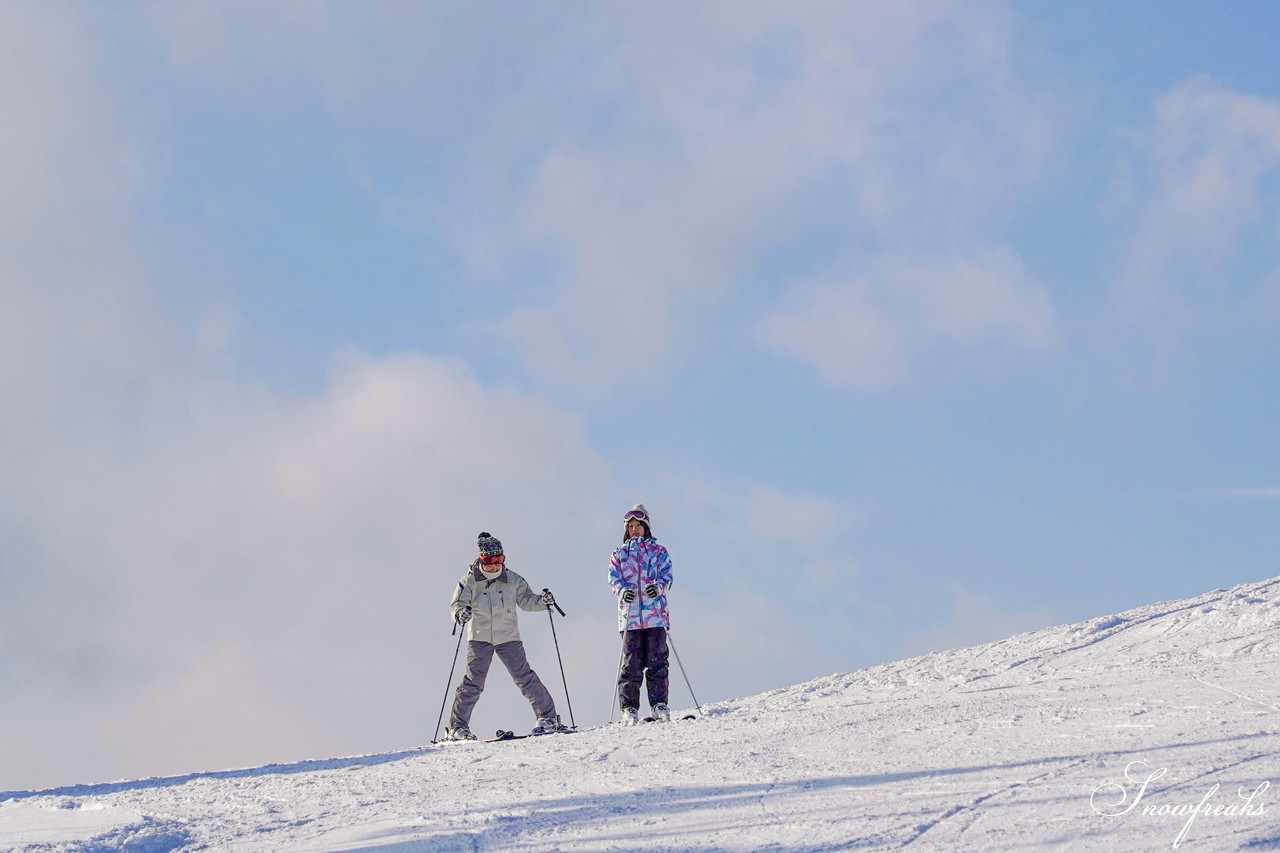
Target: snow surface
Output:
[(1039, 742)]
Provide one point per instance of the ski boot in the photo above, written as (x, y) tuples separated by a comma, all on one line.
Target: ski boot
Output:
[(548, 725), (460, 733)]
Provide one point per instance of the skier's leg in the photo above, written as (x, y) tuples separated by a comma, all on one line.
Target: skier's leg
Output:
[(656, 669), (479, 656), (517, 663), (632, 670)]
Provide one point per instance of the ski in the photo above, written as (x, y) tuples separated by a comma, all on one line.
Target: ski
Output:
[(503, 734), (656, 720)]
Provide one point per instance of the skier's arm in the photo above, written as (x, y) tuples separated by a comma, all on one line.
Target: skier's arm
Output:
[(461, 599), (526, 598), (662, 578), (616, 582)]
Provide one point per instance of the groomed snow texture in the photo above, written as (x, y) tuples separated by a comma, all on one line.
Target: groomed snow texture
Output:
[(1038, 742)]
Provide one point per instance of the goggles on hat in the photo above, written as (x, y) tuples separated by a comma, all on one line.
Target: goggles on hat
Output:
[(636, 515), (494, 559)]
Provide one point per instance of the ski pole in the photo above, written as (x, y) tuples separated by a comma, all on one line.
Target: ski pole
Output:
[(447, 683), (613, 703), (682, 672), (617, 676), (552, 620), (554, 603)]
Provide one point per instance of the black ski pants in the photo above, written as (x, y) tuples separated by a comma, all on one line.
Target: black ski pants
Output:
[(644, 657)]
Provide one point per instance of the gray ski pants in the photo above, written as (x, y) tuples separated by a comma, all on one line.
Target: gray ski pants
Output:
[(479, 656)]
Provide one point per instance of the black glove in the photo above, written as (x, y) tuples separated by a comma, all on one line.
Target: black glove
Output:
[(651, 590), (548, 599), (628, 595), (463, 616)]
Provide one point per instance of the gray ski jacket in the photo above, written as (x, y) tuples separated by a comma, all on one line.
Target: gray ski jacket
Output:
[(493, 604)]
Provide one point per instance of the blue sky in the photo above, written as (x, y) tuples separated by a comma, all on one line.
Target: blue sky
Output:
[(915, 325)]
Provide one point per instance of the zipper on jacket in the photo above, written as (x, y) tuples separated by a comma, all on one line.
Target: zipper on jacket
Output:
[(633, 544)]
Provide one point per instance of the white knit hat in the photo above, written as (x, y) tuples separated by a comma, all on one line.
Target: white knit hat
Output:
[(637, 512)]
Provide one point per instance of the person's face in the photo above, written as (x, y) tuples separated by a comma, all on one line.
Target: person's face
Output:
[(635, 527)]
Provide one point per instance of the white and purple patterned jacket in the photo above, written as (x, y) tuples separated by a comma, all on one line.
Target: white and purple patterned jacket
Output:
[(635, 564)]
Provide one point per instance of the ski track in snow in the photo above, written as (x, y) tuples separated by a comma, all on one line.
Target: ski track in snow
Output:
[(998, 747)]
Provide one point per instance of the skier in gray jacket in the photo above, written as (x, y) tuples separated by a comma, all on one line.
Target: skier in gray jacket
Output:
[(486, 601)]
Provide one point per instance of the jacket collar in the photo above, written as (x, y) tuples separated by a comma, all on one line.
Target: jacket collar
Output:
[(481, 576)]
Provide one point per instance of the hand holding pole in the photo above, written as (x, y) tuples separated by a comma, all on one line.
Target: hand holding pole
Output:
[(554, 603)]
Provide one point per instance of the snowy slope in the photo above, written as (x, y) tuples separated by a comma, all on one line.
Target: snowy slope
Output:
[(1026, 744)]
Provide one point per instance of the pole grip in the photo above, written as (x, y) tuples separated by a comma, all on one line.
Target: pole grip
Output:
[(554, 603)]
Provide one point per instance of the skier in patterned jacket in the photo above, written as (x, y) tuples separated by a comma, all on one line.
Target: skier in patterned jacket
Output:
[(485, 600), (640, 575)]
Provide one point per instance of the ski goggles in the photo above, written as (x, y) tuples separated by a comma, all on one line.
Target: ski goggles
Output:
[(636, 515), (494, 560)]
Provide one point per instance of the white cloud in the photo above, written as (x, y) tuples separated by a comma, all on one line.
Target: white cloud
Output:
[(745, 637), (66, 274), (765, 513), (744, 534), (1203, 196), (186, 557), (647, 169), (321, 536), (794, 518), (653, 226), (974, 618), (881, 328)]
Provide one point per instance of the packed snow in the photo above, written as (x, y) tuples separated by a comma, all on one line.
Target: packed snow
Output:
[(1149, 730)]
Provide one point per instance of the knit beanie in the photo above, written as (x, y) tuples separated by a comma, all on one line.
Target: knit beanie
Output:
[(489, 546), (637, 512)]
